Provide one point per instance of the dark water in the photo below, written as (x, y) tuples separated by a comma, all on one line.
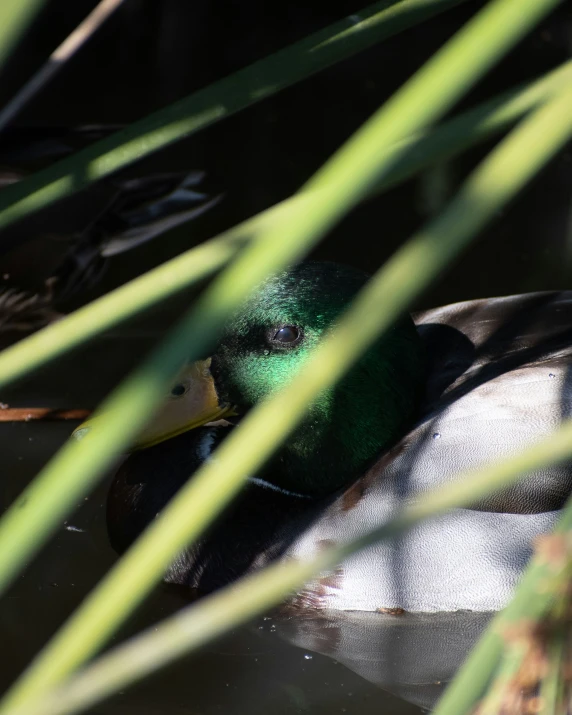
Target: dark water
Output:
[(151, 53)]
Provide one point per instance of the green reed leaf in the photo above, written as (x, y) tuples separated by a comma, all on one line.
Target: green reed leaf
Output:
[(413, 154), (506, 170), (217, 101), (15, 17), (344, 180)]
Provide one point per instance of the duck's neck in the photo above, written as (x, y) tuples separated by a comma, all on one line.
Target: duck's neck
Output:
[(350, 425)]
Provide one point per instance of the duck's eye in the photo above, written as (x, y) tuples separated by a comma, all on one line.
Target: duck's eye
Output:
[(287, 334), (178, 390)]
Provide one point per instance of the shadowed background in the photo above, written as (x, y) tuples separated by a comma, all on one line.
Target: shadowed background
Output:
[(153, 52)]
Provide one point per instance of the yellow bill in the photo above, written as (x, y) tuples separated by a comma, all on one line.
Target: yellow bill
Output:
[(192, 402)]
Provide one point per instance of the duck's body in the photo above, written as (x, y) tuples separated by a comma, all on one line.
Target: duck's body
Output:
[(496, 380)]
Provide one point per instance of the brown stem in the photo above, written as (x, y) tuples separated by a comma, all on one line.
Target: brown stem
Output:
[(27, 414)]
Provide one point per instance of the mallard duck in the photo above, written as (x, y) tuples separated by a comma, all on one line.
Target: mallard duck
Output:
[(445, 390)]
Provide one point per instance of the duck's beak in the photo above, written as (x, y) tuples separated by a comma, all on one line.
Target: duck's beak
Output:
[(192, 402)]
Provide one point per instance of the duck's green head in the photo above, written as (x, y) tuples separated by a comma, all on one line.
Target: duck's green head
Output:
[(263, 347)]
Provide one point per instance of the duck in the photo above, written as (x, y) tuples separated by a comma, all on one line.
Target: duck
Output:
[(444, 390), (70, 257)]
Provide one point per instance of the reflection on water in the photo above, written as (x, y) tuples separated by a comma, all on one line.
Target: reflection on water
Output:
[(411, 655)]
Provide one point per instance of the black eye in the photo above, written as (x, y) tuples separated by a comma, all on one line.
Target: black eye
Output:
[(287, 334), (178, 390)]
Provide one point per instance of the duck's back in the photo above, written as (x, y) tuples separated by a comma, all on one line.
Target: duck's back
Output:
[(499, 379)]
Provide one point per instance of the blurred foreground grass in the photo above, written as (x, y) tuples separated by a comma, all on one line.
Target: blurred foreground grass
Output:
[(397, 140)]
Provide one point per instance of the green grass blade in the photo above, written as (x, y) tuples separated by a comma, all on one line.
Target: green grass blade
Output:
[(454, 136), (34, 515), (536, 643), (217, 101), (500, 176), (552, 686), (496, 694), (50, 496), (544, 580), (200, 623), (15, 17), (474, 126)]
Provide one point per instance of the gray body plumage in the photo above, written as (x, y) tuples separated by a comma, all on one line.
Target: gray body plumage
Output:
[(503, 385)]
